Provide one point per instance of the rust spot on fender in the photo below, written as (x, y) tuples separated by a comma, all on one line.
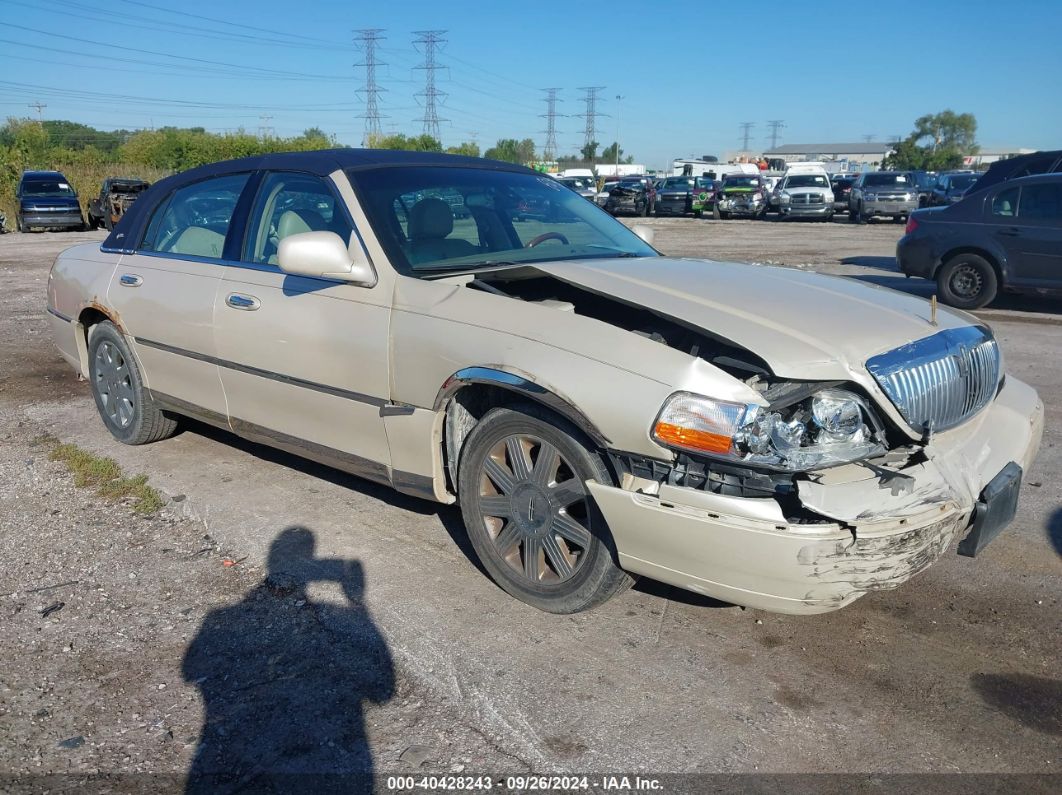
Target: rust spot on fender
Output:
[(108, 312)]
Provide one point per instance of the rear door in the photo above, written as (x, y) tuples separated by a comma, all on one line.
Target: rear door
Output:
[(164, 293), (304, 361), (1038, 235)]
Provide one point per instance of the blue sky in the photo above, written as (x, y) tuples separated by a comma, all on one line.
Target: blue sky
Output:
[(689, 72)]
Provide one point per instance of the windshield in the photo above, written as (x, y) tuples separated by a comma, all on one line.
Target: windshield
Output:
[(886, 181), (677, 183), (47, 187), (806, 181), (441, 219), (963, 181), (741, 182)]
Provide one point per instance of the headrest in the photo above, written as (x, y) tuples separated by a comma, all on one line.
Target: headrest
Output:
[(430, 218)]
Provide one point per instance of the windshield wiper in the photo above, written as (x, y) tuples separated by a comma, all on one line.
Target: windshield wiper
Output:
[(475, 267)]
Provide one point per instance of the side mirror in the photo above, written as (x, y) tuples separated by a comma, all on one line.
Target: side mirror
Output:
[(323, 255), (644, 232)]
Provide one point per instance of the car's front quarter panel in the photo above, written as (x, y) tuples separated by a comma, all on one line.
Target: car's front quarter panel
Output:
[(616, 379)]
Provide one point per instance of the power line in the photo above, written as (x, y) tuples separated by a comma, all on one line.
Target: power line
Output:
[(368, 39), (243, 26), (590, 129), (775, 125), (113, 47), (549, 151), (746, 132), (430, 40)]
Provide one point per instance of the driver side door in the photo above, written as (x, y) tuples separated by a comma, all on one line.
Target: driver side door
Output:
[(303, 361)]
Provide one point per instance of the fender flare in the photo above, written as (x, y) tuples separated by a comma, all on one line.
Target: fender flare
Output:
[(522, 384)]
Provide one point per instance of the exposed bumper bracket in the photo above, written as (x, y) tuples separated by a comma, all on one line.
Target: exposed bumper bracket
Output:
[(995, 510)]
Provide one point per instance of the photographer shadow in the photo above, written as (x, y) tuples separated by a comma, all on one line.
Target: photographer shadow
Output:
[(284, 680)]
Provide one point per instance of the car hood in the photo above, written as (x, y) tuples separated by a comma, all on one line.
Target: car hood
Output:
[(804, 325)]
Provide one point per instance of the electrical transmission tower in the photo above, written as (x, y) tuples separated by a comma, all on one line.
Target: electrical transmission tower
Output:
[(591, 114), (775, 125), (265, 129), (428, 42), (40, 110), (549, 151), (367, 40), (746, 133)]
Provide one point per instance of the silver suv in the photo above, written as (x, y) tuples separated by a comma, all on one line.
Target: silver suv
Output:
[(890, 193)]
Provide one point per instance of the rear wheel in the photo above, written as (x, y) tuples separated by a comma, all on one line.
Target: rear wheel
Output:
[(967, 281), (125, 406), (529, 514)]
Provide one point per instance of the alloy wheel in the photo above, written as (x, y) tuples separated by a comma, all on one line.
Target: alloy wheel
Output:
[(535, 509)]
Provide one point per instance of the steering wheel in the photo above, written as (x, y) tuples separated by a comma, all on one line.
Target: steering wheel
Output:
[(547, 236)]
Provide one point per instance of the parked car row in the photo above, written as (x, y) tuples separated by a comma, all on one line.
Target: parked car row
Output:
[(47, 200)]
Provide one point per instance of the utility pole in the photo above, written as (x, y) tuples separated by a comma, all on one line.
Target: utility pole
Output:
[(40, 110), (549, 151), (619, 99), (367, 41), (429, 41), (265, 130), (746, 132), (591, 114), (775, 125)]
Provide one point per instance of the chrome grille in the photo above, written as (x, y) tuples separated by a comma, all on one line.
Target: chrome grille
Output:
[(807, 198), (941, 381)]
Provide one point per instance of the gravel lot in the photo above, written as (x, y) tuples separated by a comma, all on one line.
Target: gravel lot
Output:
[(353, 633)]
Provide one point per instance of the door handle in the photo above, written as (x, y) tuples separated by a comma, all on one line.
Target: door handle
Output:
[(1010, 232), (248, 303), (130, 280)]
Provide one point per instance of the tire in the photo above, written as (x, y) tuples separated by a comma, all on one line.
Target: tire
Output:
[(93, 223), (545, 510), (644, 211), (127, 410), (967, 281)]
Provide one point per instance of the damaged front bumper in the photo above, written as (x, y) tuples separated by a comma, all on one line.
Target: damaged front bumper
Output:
[(879, 526)]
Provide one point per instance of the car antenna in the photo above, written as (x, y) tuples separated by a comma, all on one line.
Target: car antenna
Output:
[(933, 310)]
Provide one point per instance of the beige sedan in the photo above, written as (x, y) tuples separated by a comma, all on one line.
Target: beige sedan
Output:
[(473, 332)]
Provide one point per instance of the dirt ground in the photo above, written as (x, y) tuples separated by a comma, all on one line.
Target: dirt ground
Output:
[(354, 634)]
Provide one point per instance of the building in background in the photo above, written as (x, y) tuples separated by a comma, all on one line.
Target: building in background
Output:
[(850, 157), (985, 157)]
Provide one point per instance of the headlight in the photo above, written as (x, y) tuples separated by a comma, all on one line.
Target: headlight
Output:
[(783, 196), (870, 197), (826, 428)]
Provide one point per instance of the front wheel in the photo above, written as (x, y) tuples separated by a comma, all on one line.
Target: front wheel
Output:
[(125, 406), (529, 514), (967, 281)]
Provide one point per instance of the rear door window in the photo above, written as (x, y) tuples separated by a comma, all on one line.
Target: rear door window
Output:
[(195, 220), (1005, 204)]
